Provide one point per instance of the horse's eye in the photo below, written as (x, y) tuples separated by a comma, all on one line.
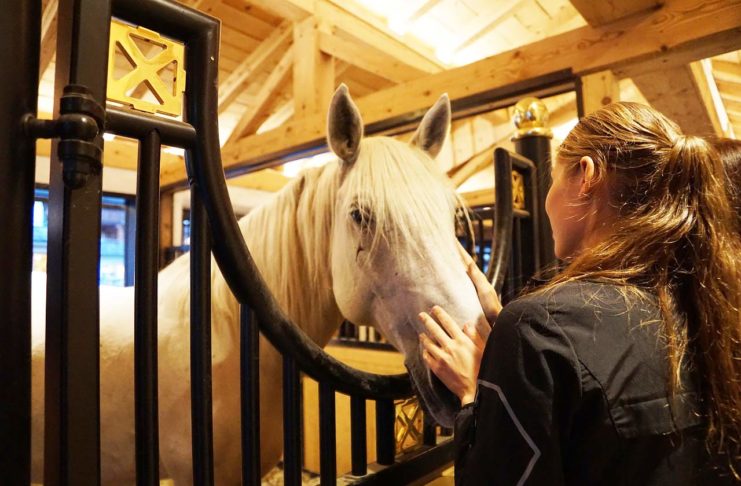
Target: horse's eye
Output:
[(357, 216)]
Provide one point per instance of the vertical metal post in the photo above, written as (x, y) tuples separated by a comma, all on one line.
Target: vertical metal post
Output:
[(327, 435), (292, 457), (385, 440), (19, 61), (72, 421), (250, 395), (358, 439), (145, 321), (200, 343), (533, 141)]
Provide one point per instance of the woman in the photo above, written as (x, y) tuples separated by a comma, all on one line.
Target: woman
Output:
[(625, 368)]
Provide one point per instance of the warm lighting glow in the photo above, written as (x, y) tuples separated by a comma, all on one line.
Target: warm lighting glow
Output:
[(292, 169), (398, 25), (445, 55), (561, 131), (175, 151), (108, 137)]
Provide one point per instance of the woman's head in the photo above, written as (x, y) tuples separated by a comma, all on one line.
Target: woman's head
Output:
[(637, 203)]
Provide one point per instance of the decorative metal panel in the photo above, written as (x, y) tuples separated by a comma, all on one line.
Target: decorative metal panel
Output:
[(145, 70)]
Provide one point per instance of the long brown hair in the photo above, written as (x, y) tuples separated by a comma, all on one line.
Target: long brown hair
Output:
[(675, 235), (729, 151)]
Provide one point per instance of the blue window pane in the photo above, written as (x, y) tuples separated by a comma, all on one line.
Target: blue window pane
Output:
[(112, 240)]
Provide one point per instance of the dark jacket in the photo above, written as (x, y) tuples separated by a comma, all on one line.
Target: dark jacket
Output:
[(573, 390)]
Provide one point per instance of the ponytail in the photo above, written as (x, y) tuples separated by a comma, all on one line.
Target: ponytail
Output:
[(675, 234), (710, 287)]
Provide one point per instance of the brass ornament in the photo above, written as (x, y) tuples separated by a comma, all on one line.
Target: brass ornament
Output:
[(531, 118), (162, 73), (518, 190), (408, 427)]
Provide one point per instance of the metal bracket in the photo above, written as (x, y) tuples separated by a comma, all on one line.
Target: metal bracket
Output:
[(80, 121)]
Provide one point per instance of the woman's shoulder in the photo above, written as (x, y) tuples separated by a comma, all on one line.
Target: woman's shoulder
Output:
[(586, 298)]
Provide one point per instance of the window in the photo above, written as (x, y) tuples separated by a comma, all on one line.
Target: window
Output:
[(116, 239)]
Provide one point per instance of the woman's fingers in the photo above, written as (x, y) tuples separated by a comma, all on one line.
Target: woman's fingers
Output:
[(450, 326), (433, 329), (487, 295), (431, 348)]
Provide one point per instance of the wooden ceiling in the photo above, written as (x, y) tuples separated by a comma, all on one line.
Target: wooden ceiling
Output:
[(281, 59)]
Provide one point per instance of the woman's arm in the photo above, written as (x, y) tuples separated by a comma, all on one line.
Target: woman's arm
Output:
[(528, 390)]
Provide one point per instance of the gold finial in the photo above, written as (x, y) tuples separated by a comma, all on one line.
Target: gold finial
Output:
[(531, 118)]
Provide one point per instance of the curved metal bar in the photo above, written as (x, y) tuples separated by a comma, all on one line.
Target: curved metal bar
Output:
[(502, 218), (207, 176)]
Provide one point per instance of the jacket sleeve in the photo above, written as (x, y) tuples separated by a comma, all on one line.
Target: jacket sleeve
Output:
[(528, 389)]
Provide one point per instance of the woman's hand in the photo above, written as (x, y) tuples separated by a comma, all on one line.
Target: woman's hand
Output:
[(490, 304), (451, 353)]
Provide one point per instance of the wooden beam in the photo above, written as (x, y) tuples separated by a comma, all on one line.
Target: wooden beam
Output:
[(482, 197), (358, 30), (313, 71), (48, 35), (258, 59), (278, 76), (727, 71), (269, 180), (502, 15), (684, 95), (672, 35), (598, 13), (367, 58), (295, 10), (599, 89)]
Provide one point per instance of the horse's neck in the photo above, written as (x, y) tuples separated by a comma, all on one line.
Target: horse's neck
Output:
[(289, 239)]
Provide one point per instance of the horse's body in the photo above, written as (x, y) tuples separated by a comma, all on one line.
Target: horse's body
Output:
[(318, 253)]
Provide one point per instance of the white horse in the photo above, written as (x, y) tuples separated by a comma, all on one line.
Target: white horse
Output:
[(368, 238)]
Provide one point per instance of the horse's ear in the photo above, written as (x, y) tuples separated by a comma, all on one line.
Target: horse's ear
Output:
[(344, 126), (433, 129)]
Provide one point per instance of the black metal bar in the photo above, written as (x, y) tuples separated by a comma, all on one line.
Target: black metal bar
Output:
[(129, 123), (19, 54), (145, 320), (537, 148), (385, 440), (292, 457), (72, 417), (358, 438), (327, 435), (250, 396), (419, 469), (502, 231), (200, 344), (429, 434)]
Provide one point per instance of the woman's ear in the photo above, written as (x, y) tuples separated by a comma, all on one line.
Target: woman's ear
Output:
[(588, 175)]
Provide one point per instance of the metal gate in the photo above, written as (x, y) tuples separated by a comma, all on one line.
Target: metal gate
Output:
[(72, 409)]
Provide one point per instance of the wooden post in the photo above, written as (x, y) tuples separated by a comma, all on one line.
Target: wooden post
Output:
[(599, 89), (313, 71)]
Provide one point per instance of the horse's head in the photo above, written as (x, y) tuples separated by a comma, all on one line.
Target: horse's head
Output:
[(393, 245)]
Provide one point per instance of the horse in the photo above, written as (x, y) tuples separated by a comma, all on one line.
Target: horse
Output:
[(369, 238)]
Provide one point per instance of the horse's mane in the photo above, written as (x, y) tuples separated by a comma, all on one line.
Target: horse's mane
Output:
[(290, 236)]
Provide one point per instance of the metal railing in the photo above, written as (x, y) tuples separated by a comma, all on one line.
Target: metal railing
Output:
[(72, 408)]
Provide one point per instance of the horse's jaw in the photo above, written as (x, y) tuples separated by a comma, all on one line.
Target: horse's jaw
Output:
[(436, 400)]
